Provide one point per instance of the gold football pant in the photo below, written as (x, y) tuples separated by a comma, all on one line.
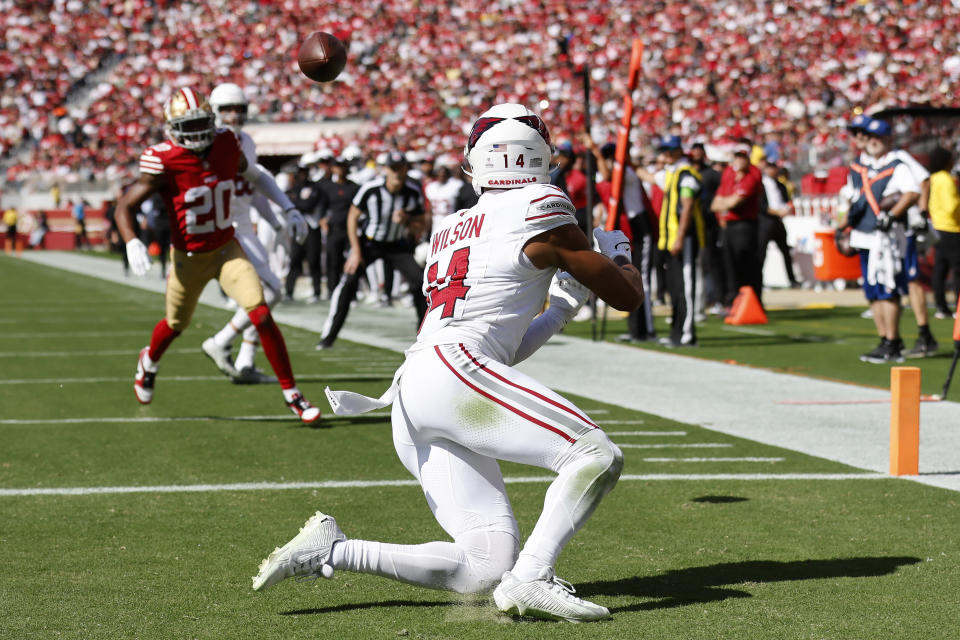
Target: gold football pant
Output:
[(192, 271)]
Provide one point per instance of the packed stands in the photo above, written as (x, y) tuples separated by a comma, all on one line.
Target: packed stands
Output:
[(785, 74)]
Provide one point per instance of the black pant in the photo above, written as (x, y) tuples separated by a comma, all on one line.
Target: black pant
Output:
[(682, 279), (310, 251), (337, 246), (771, 228), (740, 258), (714, 273), (397, 254), (947, 259), (640, 322)]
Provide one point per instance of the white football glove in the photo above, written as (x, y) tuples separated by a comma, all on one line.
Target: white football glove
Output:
[(297, 225), (567, 294), (138, 257), (613, 244)]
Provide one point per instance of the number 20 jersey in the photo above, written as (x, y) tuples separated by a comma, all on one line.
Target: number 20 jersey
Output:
[(199, 189), (481, 288)]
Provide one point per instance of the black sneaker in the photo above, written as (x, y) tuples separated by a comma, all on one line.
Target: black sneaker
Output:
[(925, 346), (323, 345), (895, 351), (878, 354)]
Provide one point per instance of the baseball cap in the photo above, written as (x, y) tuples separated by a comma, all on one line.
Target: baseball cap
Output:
[(859, 123), (608, 150), (742, 149), (878, 128), (565, 148), (669, 143), (392, 159)]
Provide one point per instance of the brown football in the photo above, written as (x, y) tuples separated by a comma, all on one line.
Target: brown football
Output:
[(322, 56), (889, 201)]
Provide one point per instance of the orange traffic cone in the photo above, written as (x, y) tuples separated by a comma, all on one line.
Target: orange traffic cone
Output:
[(746, 309)]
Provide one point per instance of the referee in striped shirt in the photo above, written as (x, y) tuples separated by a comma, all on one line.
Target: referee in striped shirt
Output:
[(387, 214)]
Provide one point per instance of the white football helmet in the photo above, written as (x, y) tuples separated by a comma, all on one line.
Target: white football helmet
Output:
[(509, 146), (229, 94), (189, 122)]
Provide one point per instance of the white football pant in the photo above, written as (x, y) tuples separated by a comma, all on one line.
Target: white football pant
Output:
[(457, 413)]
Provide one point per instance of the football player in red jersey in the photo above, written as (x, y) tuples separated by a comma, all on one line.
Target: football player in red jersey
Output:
[(195, 171)]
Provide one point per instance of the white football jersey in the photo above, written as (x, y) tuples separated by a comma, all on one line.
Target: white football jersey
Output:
[(243, 195), (482, 289)]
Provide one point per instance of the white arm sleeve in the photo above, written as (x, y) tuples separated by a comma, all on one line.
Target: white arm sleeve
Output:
[(543, 327), (265, 211), (263, 182)]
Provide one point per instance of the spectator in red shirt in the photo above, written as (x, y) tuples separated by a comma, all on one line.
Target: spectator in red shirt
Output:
[(572, 180), (737, 205)]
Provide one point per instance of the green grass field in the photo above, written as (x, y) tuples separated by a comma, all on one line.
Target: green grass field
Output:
[(132, 553)]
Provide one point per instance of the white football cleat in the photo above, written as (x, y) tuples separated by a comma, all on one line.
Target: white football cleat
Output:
[(308, 554), (547, 597), (220, 356), (307, 413), (144, 381)]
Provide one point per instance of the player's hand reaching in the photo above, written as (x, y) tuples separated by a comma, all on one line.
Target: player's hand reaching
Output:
[(297, 225), (567, 294), (138, 257), (615, 245), (354, 262)]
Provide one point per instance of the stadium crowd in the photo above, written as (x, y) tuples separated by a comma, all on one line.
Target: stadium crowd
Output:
[(784, 74)]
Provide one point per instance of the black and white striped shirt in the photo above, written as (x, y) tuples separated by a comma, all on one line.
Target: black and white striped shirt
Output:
[(377, 204)]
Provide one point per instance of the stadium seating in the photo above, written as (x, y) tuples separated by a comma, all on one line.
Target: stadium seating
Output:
[(784, 74)]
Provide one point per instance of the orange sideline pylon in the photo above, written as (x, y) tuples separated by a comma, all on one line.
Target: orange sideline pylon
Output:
[(904, 421), (956, 322), (746, 309)]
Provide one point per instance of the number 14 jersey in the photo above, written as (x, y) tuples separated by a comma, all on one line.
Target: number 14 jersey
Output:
[(199, 188), (481, 288)]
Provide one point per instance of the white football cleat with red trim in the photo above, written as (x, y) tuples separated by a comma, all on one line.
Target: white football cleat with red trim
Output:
[(144, 381), (307, 413)]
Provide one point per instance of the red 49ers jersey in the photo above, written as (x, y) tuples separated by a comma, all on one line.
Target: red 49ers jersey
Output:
[(199, 190)]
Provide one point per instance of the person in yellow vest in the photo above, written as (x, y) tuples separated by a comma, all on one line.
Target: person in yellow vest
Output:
[(944, 210), (10, 219), (681, 236)]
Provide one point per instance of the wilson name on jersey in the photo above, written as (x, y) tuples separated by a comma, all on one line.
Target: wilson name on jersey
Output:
[(481, 288), (199, 190)]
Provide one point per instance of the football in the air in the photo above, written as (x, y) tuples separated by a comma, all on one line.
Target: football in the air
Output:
[(322, 56)]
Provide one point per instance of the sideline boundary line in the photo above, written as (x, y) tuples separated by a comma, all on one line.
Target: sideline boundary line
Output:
[(365, 484)]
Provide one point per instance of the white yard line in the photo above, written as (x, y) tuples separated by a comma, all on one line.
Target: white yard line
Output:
[(646, 433), (129, 379), (366, 484), (713, 459), (70, 334), (694, 445)]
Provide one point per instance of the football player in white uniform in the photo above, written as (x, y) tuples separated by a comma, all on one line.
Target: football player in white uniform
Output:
[(459, 406), (230, 107)]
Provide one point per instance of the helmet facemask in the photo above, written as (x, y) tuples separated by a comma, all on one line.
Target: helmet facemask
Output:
[(189, 120)]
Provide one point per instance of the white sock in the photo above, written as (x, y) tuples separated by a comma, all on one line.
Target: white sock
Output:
[(225, 336), (288, 394), (149, 364), (437, 565), (248, 349)]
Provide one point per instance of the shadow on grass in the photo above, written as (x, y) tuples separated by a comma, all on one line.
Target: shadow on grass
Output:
[(714, 582), (720, 499), (369, 605)]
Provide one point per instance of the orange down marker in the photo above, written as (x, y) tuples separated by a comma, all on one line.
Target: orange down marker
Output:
[(904, 421)]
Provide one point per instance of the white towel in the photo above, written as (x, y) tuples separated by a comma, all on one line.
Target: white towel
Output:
[(885, 259), (348, 403)]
